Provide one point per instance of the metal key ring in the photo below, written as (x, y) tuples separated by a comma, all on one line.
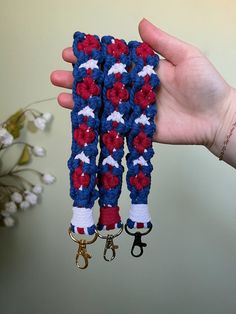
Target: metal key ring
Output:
[(113, 235), (142, 233), (80, 241)]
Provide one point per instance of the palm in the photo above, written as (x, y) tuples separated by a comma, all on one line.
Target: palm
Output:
[(189, 95)]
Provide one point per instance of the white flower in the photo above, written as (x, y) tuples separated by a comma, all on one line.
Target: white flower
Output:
[(31, 198), (24, 205), (5, 213), (16, 197), (9, 221), (10, 207), (38, 151), (37, 189), (40, 123), (47, 178), (47, 116), (5, 137)]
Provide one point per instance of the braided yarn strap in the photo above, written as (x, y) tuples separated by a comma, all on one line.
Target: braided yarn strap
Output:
[(143, 103), (85, 123), (113, 129)]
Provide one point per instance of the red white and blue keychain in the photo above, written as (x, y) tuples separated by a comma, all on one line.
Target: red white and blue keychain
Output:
[(111, 103)]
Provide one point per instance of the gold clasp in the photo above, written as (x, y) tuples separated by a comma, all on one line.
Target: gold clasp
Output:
[(82, 251)]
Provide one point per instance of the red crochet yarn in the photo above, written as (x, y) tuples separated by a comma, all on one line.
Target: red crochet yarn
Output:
[(140, 181), (84, 135), (89, 44), (80, 179), (87, 88)]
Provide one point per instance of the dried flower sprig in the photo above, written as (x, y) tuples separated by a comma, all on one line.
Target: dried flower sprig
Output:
[(16, 191)]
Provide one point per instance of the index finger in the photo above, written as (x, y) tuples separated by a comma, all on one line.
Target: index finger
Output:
[(68, 55)]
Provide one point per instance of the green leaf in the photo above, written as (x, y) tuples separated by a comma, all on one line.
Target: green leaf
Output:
[(25, 156), (15, 123)]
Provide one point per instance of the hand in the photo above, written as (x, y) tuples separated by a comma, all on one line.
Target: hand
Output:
[(193, 99)]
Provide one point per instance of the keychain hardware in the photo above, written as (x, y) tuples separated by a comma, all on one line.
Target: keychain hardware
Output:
[(109, 245), (82, 252), (137, 241)]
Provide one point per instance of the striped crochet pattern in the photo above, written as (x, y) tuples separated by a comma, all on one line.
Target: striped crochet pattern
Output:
[(139, 139), (113, 128), (87, 90)]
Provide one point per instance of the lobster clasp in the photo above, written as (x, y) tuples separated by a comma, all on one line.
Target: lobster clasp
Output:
[(82, 252), (137, 243), (110, 246)]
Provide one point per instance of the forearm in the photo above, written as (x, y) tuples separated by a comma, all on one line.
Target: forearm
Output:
[(227, 130)]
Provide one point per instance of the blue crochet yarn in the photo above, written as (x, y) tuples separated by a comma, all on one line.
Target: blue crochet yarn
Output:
[(109, 197), (86, 196), (140, 196)]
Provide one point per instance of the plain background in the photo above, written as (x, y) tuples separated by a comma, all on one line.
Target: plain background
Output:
[(189, 266)]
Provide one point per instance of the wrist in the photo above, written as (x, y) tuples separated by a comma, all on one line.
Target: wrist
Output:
[(223, 130)]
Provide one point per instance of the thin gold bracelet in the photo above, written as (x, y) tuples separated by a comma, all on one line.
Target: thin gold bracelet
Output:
[(227, 141)]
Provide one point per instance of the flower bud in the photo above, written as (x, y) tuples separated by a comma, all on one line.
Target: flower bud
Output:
[(10, 207), (16, 197), (47, 178), (6, 138), (40, 123), (37, 189), (38, 151)]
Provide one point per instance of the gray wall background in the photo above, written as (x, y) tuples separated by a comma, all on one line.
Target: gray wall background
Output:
[(189, 266)]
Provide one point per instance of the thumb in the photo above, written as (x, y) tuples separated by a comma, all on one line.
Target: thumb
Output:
[(170, 47)]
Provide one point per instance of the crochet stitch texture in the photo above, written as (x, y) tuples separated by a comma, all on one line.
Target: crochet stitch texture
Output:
[(114, 103)]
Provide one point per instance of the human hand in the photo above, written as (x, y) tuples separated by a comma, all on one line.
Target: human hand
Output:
[(194, 101)]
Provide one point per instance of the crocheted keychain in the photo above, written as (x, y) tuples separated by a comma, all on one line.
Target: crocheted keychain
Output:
[(139, 140), (113, 129), (113, 121), (85, 125)]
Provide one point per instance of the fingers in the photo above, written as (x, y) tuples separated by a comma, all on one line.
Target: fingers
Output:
[(65, 100), (62, 78), (170, 47), (68, 55)]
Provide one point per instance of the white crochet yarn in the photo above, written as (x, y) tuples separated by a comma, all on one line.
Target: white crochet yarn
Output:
[(110, 161), (87, 111), (83, 157), (90, 64), (82, 217), (117, 68), (139, 213), (147, 70), (140, 161), (116, 116), (142, 119)]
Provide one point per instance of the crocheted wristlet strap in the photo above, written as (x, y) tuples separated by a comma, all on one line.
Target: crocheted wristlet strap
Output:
[(84, 118), (113, 129), (143, 103)]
